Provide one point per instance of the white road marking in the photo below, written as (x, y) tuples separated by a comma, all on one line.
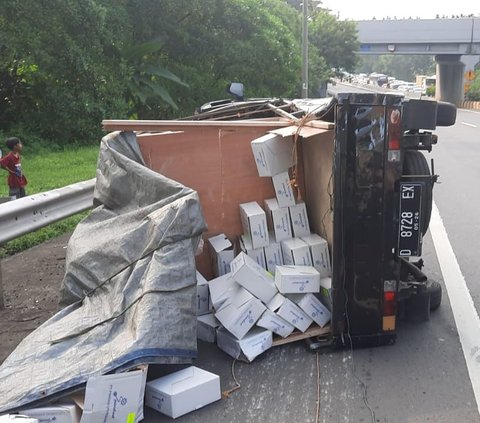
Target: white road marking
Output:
[(464, 312), (469, 124)]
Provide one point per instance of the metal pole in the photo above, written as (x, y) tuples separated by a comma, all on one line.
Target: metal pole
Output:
[(305, 50)]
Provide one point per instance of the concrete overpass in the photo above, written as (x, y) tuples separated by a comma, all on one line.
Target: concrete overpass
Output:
[(446, 39)]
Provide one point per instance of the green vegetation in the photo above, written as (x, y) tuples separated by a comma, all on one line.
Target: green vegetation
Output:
[(66, 64), (473, 92), (400, 67), (431, 91), (49, 170)]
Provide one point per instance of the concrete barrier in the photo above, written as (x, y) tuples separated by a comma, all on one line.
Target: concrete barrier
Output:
[(467, 104)]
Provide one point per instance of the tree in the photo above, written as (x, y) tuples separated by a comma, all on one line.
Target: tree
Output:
[(60, 68), (336, 41), (473, 92)]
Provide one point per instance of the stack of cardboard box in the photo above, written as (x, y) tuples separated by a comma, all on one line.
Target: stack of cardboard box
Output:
[(270, 282)]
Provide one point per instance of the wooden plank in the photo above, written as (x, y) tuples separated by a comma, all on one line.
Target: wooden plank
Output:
[(172, 125), (175, 125), (298, 336)]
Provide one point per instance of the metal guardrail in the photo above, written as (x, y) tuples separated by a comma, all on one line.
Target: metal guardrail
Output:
[(28, 214), (36, 211)]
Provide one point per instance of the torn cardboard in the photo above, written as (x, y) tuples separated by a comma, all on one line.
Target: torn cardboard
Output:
[(222, 254)]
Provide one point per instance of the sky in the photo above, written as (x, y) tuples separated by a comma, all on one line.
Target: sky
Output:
[(425, 9)]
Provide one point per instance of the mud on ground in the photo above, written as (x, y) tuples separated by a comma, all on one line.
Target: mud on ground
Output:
[(31, 282)]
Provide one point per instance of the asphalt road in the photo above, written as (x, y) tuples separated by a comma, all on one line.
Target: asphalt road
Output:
[(422, 378)]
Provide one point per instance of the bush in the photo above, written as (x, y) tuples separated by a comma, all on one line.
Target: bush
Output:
[(431, 91)]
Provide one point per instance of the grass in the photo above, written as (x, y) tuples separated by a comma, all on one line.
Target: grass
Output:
[(46, 171)]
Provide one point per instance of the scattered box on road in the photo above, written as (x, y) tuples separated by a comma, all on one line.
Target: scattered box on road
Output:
[(184, 391)]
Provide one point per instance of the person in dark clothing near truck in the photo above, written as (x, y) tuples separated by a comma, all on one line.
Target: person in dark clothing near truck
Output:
[(12, 164)]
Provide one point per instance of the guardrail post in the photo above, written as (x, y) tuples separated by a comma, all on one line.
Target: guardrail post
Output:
[(2, 299)]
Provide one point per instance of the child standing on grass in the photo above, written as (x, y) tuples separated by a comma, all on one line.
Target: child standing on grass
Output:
[(12, 164)]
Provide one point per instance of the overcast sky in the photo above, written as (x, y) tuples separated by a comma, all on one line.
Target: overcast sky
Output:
[(367, 9)]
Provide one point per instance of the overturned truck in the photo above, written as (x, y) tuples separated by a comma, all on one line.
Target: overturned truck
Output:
[(359, 168)]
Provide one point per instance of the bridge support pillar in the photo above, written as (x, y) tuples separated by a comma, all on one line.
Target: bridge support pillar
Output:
[(449, 86)]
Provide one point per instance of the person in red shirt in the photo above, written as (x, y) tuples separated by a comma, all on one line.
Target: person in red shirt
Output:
[(12, 164)]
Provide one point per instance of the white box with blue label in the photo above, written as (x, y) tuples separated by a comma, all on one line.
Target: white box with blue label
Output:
[(296, 252), (273, 256), (275, 323), (294, 315), (253, 344), (297, 279), (253, 278), (278, 220), (55, 413), (299, 218), (320, 254), (257, 254), (273, 154), (239, 319), (184, 391), (115, 397), (312, 306), (254, 223), (283, 189)]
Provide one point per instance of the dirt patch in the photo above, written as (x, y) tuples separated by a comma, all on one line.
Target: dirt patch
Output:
[(31, 281)]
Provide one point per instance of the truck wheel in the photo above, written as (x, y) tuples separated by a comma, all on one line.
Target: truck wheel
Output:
[(435, 291), (417, 306), (415, 163)]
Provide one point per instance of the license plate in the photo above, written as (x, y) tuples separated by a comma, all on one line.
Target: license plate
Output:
[(409, 227)]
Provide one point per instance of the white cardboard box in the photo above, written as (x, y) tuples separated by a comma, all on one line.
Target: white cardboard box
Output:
[(293, 314), (55, 413), (297, 279), (253, 277), (247, 349), (239, 320), (204, 305), (299, 217), (296, 252), (273, 154), (222, 254), (257, 254), (184, 391), (17, 418), (254, 223), (273, 256), (275, 323), (312, 306), (278, 219), (115, 398), (320, 254), (207, 326), (283, 189), (276, 302), (220, 289)]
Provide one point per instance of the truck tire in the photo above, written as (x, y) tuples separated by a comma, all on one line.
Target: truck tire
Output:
[(415, 164), (435, 291)]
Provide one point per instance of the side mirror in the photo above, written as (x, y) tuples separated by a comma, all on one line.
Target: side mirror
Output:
[(236, 89)]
